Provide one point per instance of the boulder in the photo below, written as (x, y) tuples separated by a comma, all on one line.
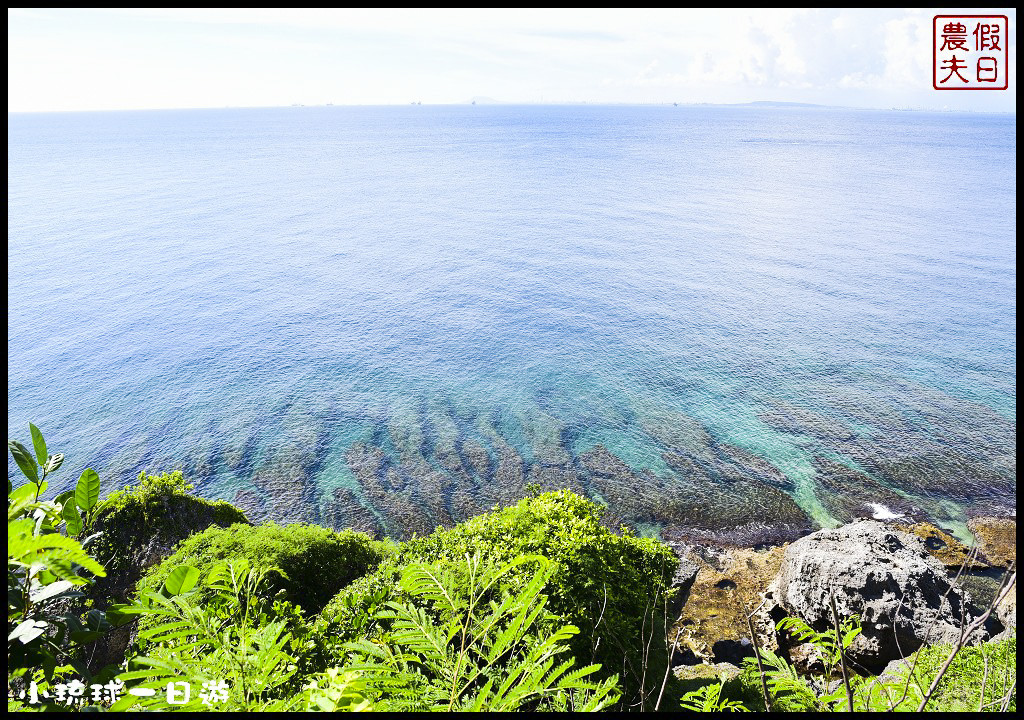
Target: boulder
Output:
[(901, 593)]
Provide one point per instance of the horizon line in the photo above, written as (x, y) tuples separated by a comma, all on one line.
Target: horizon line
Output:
[(766, 104)]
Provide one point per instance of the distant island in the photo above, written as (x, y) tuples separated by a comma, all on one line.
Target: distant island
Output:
[(776, 103)]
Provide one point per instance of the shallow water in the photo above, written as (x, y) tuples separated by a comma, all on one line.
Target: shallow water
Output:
[(724, 322)]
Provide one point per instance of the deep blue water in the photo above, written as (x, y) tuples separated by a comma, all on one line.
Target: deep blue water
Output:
[(402, 315)]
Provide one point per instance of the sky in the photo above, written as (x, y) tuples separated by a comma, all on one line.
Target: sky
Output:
[(82, 59)]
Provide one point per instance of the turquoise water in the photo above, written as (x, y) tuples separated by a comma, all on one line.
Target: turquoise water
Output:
[(721, 322)]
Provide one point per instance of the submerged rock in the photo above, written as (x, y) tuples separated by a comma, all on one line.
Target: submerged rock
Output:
[(900, 592), (946, 474), (251, 504), (288, 487), (599, 460), (403, 515), (478, 459), (544, 433), (345, 511), (697, 503), (555, 478), (676, 430), (746, 512), (849, 495), (753, 466), (631, 497), (788, 418)]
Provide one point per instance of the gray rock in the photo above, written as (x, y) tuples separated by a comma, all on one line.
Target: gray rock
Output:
[(807, 658), (686, 573), (901, 593)]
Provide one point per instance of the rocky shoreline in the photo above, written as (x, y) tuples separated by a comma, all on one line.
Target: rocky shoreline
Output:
[(910, 584)]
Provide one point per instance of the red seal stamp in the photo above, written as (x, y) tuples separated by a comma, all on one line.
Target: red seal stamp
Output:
[(970, 52)]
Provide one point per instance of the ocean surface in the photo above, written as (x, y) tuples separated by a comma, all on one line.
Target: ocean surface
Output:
[(720, 322)]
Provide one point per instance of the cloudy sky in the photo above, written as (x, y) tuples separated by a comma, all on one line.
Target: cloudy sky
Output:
[(126, 59)]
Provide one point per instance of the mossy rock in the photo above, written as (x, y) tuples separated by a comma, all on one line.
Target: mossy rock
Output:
[(997, 539), (694, 677), (142, 524), (713, 623), (944, 547)]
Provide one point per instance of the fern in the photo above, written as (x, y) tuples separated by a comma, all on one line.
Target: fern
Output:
[(789, 690), (458, 643), (227, 637), (709, 699)]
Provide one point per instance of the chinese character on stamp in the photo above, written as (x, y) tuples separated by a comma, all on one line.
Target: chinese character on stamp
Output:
[(970, 52)]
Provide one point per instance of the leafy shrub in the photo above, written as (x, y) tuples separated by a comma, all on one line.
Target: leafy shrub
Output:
[(710, 699), (464, 641), (611, 587), (226, 641), (979, 678), (44, 568), (145, 521), (47, 568), (790, 691), (312, 563)]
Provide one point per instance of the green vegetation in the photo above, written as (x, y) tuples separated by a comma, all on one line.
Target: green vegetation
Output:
[(47, 570), (226, 639), (470, 638), (981, 678), (157, 512), (532, 607), (612, 588), (978, 679), (311, 564)]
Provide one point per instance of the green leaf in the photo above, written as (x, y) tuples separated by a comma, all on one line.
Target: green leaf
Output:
[(120, 614), (25, 492), (39, 444), (85, 636), (53, 462), (24, 460), (73, 519), (87, 493), (63, 498), (181, 580)]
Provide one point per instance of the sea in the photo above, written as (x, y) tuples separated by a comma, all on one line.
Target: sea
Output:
[(721, 323)]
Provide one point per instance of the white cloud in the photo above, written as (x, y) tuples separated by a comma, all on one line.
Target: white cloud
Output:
[(66, 59)]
